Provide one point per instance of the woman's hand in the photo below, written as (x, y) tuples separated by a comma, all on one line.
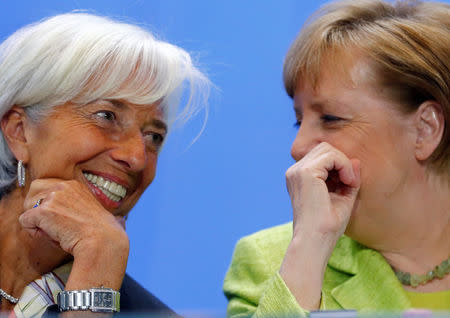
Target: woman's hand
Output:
[(71, 216), (323, 187)]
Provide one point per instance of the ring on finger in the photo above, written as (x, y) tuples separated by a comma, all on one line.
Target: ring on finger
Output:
[(38, 203)]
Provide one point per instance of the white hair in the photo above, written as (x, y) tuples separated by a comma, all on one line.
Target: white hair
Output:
[(81, 57)]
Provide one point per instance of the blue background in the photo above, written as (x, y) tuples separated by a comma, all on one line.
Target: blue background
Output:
[(230, 182)]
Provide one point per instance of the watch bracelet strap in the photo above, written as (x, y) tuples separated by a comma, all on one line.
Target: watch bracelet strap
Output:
[(71, 300)]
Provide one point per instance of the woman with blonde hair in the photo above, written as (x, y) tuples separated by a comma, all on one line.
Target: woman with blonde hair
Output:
[(370, 189), (85, 105)]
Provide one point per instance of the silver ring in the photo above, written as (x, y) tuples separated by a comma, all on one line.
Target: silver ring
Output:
[(38, 203)]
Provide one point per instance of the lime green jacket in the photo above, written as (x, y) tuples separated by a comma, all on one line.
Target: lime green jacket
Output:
[(356, 278)]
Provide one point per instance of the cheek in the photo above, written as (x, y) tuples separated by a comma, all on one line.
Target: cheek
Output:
[(150, 170), (147, 178), (384, 168), (149, 173), (58, 157), (378, 152)]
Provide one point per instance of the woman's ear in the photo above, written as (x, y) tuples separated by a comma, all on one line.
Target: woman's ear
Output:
[(13, 126), (430, 124)]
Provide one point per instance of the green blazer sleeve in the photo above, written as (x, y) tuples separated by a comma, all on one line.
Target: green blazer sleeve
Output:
[(253, 285)]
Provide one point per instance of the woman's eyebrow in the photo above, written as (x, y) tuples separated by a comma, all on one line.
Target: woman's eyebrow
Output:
[(117, 103), (321, 105), (113, 102), (158, 124)]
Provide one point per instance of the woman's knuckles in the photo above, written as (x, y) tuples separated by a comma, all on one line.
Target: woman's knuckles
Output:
[(26, 221), (68, 228), (75, 237)]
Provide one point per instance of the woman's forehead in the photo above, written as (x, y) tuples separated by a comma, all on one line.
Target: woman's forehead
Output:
[(347, 70), (342, 86)]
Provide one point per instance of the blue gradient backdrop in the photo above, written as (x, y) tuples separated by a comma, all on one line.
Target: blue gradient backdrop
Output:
[(230, 182)]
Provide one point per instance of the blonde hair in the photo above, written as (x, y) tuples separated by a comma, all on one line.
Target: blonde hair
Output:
[(407, 43), (80, 57)]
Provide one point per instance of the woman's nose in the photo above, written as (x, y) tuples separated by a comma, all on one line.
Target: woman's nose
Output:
[(305, 140), (130, 151)]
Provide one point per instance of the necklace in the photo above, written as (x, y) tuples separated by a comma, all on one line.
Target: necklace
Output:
[(8, 297), (415, 280)]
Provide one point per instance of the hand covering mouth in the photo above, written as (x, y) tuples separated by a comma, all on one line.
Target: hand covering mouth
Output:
[(110, 189)]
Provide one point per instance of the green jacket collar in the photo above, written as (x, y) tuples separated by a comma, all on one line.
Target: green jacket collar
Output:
[(369, 273)]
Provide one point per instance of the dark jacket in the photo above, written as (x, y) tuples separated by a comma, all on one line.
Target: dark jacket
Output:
[(133, 299)]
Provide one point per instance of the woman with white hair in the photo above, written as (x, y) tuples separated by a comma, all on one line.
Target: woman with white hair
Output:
[(85, 105)]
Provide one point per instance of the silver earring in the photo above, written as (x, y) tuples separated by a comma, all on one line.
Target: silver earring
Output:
[(21, 173)]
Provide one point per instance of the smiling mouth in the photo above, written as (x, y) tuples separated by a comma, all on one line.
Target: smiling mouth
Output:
[(110, 189)]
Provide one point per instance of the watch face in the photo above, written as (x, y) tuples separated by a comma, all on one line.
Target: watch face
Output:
[(103, 299)]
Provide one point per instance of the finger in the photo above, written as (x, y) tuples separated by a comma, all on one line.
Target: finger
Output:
[(40, 225), (31, 201), (40, 189), (350, 192), (40, 185), (337, 161), (319, 164), (356, 165), (341, 163), (38, 203), (347, 174), (30, 219)]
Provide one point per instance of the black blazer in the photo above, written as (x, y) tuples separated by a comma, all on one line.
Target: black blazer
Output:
[(133, 299)]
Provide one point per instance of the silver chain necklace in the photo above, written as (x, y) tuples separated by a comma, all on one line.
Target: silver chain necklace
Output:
[(8, 297)]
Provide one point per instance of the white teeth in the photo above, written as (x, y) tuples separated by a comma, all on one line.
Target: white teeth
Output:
[(112, 187), (112, 190)]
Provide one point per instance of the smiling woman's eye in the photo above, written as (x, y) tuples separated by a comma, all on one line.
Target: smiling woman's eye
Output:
[(106, 115), (329, 118), (156, 139), (297, 124)]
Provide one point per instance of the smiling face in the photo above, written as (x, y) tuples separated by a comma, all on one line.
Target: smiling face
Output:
[(349, 112), (110, 146)]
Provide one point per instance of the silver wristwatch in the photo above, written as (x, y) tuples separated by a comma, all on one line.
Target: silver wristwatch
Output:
[(95, 299)]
